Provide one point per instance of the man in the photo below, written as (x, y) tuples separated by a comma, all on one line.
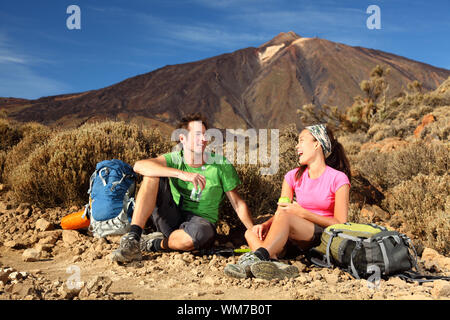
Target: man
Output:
[(183, 222)]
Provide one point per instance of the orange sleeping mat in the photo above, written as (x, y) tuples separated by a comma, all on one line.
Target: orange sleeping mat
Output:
[(75, 221)]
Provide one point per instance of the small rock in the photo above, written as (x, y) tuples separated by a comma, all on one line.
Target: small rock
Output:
[(69, 293), (22, 207), (441, 288), (331, 279), (15, 276), (4, 274), (50, 239), (23, 288), (300, 266), (71, 237), (315, 275), (374, 213), (198, 293), (217, 292), (11, 244), (432, 259), (302, 279), (30, 255), (27, 212), (426, 120), (43, 247), (99, 283), (396, 282), (43, 225)]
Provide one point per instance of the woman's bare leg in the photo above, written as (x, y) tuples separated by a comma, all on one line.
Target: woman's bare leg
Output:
[(253, 240), (287, 226)]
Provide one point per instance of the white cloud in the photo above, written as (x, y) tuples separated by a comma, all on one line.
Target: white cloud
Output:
[(17, 77), (211, 36), (196, 35)]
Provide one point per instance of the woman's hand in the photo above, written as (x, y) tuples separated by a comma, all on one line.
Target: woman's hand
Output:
[(261, 230), (294, 208)]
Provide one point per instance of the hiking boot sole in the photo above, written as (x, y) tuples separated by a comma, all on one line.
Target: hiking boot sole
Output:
[(117, 256), (235, 271), (269, 270)]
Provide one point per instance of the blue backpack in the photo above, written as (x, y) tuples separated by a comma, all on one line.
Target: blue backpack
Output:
[(111, 192)]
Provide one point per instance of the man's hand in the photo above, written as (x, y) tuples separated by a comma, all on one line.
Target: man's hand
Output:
[(261, 230), (195, 178)]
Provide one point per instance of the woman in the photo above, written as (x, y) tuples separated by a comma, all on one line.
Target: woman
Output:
[(321, 185)]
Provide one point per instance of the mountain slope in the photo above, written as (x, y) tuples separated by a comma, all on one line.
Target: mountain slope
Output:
[(252, 87)]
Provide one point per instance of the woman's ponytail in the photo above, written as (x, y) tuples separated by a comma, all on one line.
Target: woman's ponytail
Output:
[(337, 159)]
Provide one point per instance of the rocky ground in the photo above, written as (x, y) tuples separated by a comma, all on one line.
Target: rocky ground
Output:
[(38, 260)]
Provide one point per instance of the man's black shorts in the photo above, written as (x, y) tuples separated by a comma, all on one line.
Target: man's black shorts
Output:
[(168, 217)]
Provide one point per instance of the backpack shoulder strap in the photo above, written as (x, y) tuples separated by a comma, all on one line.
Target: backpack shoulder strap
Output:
[(420, 278)]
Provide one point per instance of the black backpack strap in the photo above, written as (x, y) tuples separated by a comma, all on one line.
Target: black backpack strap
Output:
[(420, 278), (357, 247), (377, 226), (327, 252), (411, 246), (385, 256)]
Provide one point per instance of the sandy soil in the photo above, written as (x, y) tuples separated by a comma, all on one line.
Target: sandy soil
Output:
[(38, 260)]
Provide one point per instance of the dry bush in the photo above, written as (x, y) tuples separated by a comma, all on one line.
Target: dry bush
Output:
[(2, 163), (401, 128), (386, 170), (423, 204), (261, 192), (288, 157), (256, 190), (57, 172), (352, 142), (439, 129), (10, 134), (34, 135), (354, 213), (3, 114)]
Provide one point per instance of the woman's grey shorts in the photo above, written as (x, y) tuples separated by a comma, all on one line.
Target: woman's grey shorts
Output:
[(168, 217)]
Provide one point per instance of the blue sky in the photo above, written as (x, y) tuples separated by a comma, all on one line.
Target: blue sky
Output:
[(40, 56)]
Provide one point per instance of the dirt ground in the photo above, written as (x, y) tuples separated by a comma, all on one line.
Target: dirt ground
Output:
[(39, 260)]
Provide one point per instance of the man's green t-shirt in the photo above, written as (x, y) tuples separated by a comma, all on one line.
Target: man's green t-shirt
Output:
[(220, 177)]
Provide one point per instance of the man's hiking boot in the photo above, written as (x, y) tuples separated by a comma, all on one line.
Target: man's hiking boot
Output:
[(241, 270), (128, 250), (273, 270), (147, 240)]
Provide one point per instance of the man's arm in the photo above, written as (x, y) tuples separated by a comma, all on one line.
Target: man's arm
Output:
[(157, 167), (240, 207)]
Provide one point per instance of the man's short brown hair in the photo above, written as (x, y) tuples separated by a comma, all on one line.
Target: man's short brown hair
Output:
[(184, 122)]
